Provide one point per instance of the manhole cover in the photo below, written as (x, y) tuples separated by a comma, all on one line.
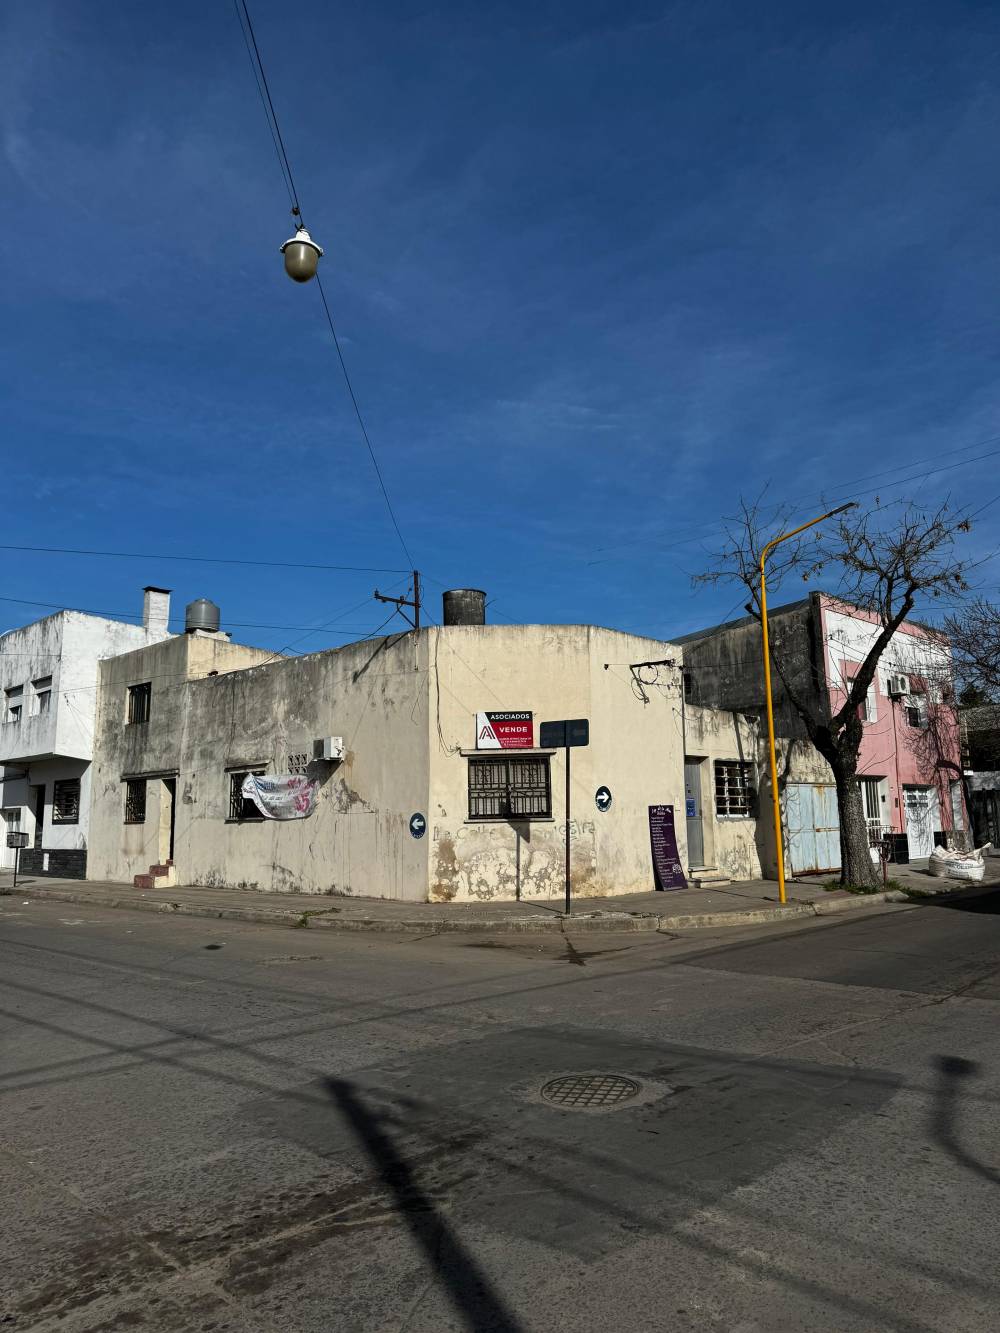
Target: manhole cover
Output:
[(582, 1092)]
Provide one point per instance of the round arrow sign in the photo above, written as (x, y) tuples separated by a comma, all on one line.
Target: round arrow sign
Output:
[(602, 798), (418, 825)]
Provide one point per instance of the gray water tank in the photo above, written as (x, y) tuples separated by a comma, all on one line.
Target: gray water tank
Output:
[(201, 614), (465, 606)]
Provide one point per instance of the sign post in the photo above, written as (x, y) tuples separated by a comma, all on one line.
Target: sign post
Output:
[(17, 841), (565, 735)]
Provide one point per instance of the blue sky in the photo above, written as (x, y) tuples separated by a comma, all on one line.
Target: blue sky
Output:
[(597, 269)]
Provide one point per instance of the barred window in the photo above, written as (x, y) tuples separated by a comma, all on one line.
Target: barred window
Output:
[(239, 808), (66, 801), (138, 703), (135, 801), (733, 787), (510, 788), (298, 763)]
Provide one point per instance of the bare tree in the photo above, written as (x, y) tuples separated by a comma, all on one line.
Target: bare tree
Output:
[(883, 563), (975, 643)]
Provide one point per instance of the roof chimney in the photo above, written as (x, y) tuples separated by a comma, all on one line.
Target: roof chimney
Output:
[(156, 610)]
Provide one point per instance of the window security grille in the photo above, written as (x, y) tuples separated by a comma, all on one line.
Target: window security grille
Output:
[(138, 703), (733, 787), (239, 808), (135, 801), (66, 801), (510, 788)]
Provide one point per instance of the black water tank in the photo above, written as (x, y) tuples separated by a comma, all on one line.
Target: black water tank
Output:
[(465, 606)]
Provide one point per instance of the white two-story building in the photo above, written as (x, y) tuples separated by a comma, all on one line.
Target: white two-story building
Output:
[(48, 697)]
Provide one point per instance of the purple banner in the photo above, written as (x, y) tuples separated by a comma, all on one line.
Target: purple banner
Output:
[(667, 870)]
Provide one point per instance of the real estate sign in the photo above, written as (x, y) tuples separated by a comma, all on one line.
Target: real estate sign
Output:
[(504, 731)]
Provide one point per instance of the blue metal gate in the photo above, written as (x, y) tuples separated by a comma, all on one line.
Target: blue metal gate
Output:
[(813, 826)]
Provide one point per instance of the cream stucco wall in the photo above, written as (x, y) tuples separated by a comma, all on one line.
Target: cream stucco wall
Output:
[(203, 726), (553, 671), (406, 707), (744, 848)]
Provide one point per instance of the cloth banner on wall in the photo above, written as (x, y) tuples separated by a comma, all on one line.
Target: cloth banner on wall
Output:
[(281, 796)]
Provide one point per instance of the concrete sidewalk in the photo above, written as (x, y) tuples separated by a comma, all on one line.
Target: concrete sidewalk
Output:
[(750, 903)]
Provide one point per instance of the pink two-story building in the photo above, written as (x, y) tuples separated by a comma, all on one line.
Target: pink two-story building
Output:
[(910, 761)]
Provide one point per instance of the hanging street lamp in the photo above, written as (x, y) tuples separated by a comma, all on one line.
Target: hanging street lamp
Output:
[(302, 256)]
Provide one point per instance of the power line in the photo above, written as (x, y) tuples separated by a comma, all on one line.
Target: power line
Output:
[(839, 491), (265, 98), (208, 560), (361, 420), (319, 628), (129, 616), (271, 115)]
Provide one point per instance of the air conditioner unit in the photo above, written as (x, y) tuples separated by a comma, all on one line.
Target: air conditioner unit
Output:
[(897, 686), (330, 748)]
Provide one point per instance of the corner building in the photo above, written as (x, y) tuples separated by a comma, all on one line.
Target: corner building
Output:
[(415, 809)]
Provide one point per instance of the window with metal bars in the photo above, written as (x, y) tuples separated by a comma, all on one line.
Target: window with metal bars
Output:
[(138, 703), (240, 809), (733, 788), (510, 788), (66, 801), (871, 796), (135, 801)]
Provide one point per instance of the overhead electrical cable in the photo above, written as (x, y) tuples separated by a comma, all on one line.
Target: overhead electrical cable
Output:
[(208, 560), (839, 491), (263, 88), (130, 616)]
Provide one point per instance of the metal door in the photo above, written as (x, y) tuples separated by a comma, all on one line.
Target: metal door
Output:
[(813, 826), (11, 824), (692, 803), (38, 805), (919, 822)]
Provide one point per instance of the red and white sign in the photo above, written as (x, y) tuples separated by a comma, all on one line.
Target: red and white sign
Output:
[(504, 731)]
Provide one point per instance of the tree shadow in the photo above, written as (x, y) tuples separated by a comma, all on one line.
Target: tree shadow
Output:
[(952, 1071), (984, 902), (469, 1289)]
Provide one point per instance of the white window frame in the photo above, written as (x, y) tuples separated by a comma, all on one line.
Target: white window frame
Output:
[(41, 689), (918, 704), (13, 699), (872, 790)]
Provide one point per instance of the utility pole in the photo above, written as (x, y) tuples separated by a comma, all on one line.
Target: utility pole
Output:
[(399, 602)]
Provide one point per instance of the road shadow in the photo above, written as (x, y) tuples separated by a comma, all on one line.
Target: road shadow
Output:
[(987, 904), (468, 1288), (953, 1071)]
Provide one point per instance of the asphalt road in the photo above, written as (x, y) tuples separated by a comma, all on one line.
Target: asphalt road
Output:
[(209, 1126)]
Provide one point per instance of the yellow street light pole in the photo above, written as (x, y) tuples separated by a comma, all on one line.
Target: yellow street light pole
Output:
[(775, 800)]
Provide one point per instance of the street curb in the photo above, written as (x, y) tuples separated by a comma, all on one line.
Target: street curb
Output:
[(326, 918)]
